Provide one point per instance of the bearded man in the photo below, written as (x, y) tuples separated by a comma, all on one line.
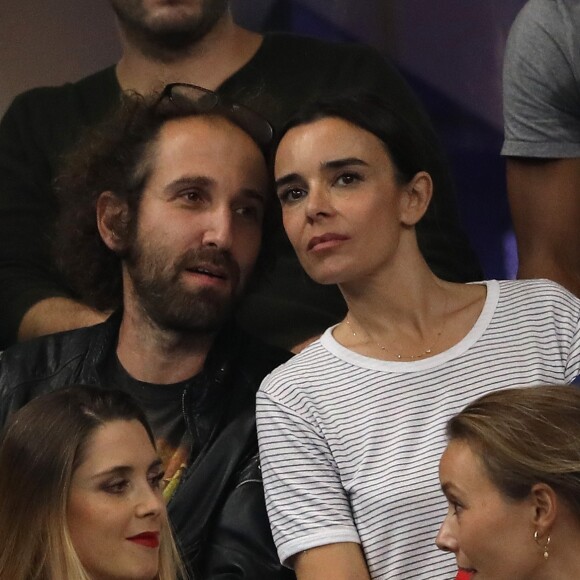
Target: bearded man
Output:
[(197, 42), (162, 223)]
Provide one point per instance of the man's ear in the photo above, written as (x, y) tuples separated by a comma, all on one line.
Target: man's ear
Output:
[(416, 199), (545, 508), (112, 220)]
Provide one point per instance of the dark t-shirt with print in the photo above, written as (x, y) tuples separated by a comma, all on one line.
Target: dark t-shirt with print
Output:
[(163, 406)]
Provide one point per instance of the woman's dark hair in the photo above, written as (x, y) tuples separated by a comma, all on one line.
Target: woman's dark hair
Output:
[(410, 147), (41, 446), (525, 436)]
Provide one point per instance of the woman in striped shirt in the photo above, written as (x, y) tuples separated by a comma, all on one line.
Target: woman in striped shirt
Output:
[(351, 429)]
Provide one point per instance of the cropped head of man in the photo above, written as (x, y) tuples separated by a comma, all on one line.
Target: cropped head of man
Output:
[(162, 212), (174, 24)]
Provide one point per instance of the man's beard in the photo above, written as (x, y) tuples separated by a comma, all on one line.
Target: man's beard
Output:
[(164, 298), (167, 36)]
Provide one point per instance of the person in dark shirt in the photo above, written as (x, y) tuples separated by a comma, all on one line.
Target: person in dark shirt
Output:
[(163, 207), (197, 42)]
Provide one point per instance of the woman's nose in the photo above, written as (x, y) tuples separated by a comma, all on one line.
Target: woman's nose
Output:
[(446, 539), (150, 503), (318, 203)]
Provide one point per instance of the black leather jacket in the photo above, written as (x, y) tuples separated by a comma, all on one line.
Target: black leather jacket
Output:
[(218, 512)]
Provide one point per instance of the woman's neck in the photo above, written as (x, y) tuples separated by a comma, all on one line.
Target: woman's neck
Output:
[(407, 313), (405, 295)]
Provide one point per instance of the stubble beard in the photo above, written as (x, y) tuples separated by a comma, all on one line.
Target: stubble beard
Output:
[(163, 39)]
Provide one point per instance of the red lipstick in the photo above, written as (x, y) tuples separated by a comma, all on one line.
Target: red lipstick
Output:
[(147, 539)]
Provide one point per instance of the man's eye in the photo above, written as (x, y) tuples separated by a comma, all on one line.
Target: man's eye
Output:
[(192, 195), (249, 211)]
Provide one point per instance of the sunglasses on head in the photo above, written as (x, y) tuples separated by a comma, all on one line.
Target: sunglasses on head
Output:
[(191, 98)]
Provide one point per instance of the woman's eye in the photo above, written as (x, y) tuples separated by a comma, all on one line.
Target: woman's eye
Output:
[(457, 508), (116, 487), (347, 178), (155, 481), (291, 194)]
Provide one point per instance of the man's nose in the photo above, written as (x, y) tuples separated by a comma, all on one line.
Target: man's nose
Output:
[(218, 230)]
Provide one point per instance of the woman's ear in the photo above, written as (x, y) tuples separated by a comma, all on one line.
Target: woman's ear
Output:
[(112, 219), (545, 508), (418, 193)]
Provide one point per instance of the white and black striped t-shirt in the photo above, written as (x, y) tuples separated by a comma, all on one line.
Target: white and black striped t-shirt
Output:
[(350, 445)]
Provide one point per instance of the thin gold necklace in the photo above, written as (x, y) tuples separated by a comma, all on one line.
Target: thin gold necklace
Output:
[(400, 356)]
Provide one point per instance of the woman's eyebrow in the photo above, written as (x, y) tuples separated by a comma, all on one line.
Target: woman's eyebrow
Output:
[(332, 164), (449, 488), (117, 470), (155, 464), (338, 163), (285, 179), (124, 470)]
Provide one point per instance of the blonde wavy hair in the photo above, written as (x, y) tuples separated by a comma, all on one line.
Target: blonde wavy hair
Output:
[(41, 447), (524, 436)]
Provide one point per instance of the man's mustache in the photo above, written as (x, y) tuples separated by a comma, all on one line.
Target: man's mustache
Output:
[(219, 262)]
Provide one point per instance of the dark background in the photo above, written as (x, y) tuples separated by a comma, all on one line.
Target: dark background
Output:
[(450, 51)]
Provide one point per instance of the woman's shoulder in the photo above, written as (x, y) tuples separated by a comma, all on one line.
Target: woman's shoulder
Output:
[(540, 289), (309, 372), (523, 301), (307, 362)]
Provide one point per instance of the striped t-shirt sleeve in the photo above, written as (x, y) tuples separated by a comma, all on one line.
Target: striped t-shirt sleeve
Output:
[(311, 503)]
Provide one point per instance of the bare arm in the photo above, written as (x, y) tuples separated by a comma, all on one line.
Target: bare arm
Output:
[(55, 315), (545, 203), (342, 561)]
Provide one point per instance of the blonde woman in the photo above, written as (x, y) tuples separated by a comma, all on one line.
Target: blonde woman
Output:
[(511, 476), (80, 492)]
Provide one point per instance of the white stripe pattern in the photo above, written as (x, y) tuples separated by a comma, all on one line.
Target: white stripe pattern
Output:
[(350, 445)]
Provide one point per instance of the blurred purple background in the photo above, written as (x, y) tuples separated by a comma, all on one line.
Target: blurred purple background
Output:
[(450, 51)]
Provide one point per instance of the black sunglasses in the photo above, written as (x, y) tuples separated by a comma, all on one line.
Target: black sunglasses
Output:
[(191, 98)]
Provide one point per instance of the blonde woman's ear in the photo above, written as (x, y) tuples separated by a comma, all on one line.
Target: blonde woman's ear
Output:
[(545, 508), (418, 194)]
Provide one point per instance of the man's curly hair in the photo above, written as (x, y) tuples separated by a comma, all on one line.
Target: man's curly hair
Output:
[(115, 155)]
